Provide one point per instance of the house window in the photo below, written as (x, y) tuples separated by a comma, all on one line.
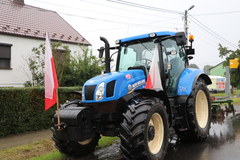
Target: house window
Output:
[(5, 56)]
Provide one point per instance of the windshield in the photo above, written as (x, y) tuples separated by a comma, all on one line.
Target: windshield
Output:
[(139, 54)]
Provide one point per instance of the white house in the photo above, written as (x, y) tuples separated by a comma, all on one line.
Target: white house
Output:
[(23, 27)]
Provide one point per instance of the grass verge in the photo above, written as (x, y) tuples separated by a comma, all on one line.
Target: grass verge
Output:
[(44, 150), (28, 151), (235, 92), (103, 142), (236, 100), (222, 94), (56, 155)]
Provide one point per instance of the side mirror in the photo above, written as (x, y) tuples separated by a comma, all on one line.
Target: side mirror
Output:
[(190, 51), (181, 38), (190, 57), (101, 50)]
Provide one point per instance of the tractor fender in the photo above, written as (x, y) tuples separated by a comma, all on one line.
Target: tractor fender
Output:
[(188, 79), (162, 96)]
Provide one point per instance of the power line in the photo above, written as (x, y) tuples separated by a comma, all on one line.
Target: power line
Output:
[(123, 9), (92, 18), (117, 28), (105, 20), (211, 32), (218, 13), (208, 42), (137, 5), (202, 36), (111, 21), (91, 11), (214, 35)]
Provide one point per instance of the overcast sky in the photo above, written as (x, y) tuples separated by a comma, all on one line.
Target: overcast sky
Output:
[(210, 21)]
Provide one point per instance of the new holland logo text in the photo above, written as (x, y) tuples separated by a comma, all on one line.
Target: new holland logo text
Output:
[(132, 87)]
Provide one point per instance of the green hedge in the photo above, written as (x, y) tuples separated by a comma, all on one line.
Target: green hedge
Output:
[(22, 109)]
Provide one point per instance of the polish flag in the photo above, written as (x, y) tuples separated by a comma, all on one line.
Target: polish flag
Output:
[(50, 76), (154, 78)]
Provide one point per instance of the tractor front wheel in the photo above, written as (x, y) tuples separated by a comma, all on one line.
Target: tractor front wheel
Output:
[(145, 130), (75, 149)]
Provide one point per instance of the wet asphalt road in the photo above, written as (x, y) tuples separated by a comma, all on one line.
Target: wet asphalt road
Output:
[(222, 144)]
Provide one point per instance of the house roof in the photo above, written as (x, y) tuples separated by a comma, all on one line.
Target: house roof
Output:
[(216, 65), (24, 20)]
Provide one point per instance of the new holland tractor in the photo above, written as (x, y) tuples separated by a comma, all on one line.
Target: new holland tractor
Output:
[(118, 103)]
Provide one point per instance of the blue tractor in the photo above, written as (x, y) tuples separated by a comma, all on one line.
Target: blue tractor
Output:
[(118, 103)]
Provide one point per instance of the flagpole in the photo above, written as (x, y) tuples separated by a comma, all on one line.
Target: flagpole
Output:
[(58, 112)]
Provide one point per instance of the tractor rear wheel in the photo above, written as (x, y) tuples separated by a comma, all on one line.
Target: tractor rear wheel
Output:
[(199, 113), (75, 149), (145, 130)]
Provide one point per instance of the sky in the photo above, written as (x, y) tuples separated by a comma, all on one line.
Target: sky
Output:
[(210, 21)]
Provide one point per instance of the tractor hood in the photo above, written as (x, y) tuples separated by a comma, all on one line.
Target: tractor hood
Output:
[(112, 86)]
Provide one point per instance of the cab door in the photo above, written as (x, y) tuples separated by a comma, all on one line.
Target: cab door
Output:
[(174, 64)]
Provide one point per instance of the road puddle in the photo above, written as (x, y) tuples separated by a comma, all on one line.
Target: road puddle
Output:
[(223, 142)]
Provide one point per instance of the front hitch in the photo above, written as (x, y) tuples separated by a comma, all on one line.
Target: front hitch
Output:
[(76, 124)]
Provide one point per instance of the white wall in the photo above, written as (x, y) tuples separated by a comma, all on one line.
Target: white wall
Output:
[(20, 51)]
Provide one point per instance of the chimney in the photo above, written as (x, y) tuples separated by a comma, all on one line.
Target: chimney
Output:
[(21, 2)]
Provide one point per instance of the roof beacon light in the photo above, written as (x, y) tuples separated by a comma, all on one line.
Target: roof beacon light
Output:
[(152, 35), (191, 38)]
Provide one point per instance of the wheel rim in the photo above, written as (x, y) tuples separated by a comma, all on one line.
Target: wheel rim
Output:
[(85, 142), (201, 109), (155, 133)]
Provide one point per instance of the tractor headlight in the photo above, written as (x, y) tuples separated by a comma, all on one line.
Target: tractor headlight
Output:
[(100, 91)]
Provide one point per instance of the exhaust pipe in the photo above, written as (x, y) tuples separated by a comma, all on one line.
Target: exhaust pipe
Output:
[(107, 55)]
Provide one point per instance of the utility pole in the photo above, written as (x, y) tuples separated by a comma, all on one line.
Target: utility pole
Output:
[(227, 84), (186, 21)]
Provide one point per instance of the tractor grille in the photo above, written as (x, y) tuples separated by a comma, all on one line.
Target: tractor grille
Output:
[(110, 88), (89, 92)]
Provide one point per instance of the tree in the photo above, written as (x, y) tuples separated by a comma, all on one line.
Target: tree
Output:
[(71, 70), (36, 66), (62, 55), (81, 68), (36, 62), (228, 54), (193, 66)]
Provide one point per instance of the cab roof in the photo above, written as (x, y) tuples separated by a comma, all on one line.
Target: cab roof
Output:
[(144, 36)]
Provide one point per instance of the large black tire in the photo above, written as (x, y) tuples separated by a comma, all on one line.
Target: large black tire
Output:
[(145, 130), (199, 113), (75, 149)]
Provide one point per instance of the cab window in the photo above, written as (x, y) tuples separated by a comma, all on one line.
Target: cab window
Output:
[(139, 54), (174, 57)]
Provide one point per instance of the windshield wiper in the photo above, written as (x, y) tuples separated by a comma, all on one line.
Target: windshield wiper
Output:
[(145, 47)]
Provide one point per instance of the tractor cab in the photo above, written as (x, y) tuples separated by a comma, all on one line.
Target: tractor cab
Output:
[(137, 53)]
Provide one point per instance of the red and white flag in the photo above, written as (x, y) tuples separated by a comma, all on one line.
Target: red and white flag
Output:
[(50, 76), (154, 78)]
